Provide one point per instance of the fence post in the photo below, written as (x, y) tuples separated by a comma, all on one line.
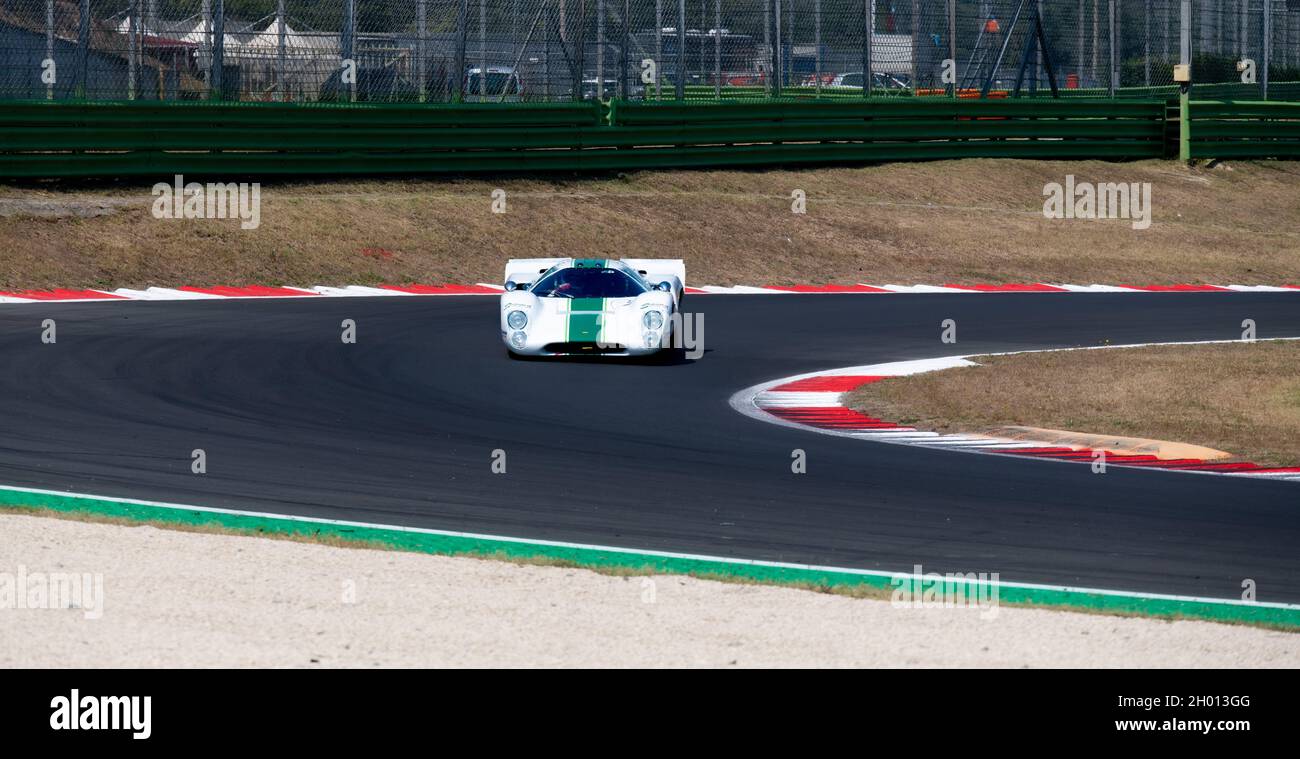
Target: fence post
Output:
[(482, 50), (462, 24), (916, 30), (280, 50), (216, 75), (49, 43), (1146, 42), (1185, 88), (1243, 26), (817, 45), (659, 48), (776, 48), (549, 36), (1268, 45), (952, 42), (131, 51), (421, 48), (205, 44), (681, 50), (348, 45), (580, 50), (1039, 67), (717, 48), (83, 50), (868, 41), (624, 83), (600, 49), (1114, 72)]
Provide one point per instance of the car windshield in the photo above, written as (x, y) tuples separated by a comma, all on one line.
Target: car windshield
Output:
[(497, 84), (588, 283)]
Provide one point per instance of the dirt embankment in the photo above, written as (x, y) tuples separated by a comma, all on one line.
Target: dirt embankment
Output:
[(972, 221)]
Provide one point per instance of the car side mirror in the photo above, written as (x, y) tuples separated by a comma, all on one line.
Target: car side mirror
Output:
[(664, 287)]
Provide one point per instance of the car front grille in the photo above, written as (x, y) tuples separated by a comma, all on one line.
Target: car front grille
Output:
[(584, 349)]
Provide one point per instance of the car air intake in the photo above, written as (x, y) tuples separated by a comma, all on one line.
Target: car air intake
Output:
[(584, 349)]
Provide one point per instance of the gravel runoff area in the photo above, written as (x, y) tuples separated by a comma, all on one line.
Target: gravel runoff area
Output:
[(183, 599)]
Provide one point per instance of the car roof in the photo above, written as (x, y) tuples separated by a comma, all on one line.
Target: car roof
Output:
[(594, 263)]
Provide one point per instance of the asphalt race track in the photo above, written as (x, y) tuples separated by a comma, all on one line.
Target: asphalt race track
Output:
[(400, 429)]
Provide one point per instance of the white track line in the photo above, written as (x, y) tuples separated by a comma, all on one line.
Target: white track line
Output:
[(661, 554), (341, 291)]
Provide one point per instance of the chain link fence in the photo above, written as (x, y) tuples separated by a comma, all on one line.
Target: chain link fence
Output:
[(558, 50)]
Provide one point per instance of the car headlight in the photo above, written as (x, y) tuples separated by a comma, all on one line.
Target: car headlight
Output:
[(518, 339), (652, 320), (517, 319)]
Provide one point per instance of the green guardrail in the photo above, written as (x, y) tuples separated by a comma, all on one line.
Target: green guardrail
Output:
[(1230, 129), (212, 117), (1282, 91), (42, 139)]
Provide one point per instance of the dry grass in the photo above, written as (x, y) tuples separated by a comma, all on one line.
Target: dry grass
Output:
[(1243, 398), (961, 221)]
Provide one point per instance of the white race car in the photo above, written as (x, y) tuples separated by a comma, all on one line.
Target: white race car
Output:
[(590, 306)]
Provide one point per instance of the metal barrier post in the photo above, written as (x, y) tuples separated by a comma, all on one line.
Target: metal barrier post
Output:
[(600, 49), (1268, 45), (347, 46), (421, 48), (776, 48), (1114, 72), (462, 22), (952, 42), (83, 50), (717, 49), (215, 76), (625, 85), (868, 41), (280, 50), (681, 50), (1185, 88), (132, 61)]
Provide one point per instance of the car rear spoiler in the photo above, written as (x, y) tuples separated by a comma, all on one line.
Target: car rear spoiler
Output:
[(527, 270), (658, 269)]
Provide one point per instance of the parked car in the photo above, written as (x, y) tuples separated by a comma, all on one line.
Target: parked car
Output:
[(501, 85), (880, 81), (636, 90), (826, 79), (372, 85)]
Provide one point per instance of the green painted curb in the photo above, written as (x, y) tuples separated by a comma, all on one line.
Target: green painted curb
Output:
[(453, 544)]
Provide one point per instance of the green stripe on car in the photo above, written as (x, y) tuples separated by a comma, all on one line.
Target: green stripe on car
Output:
[(586, 316)]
